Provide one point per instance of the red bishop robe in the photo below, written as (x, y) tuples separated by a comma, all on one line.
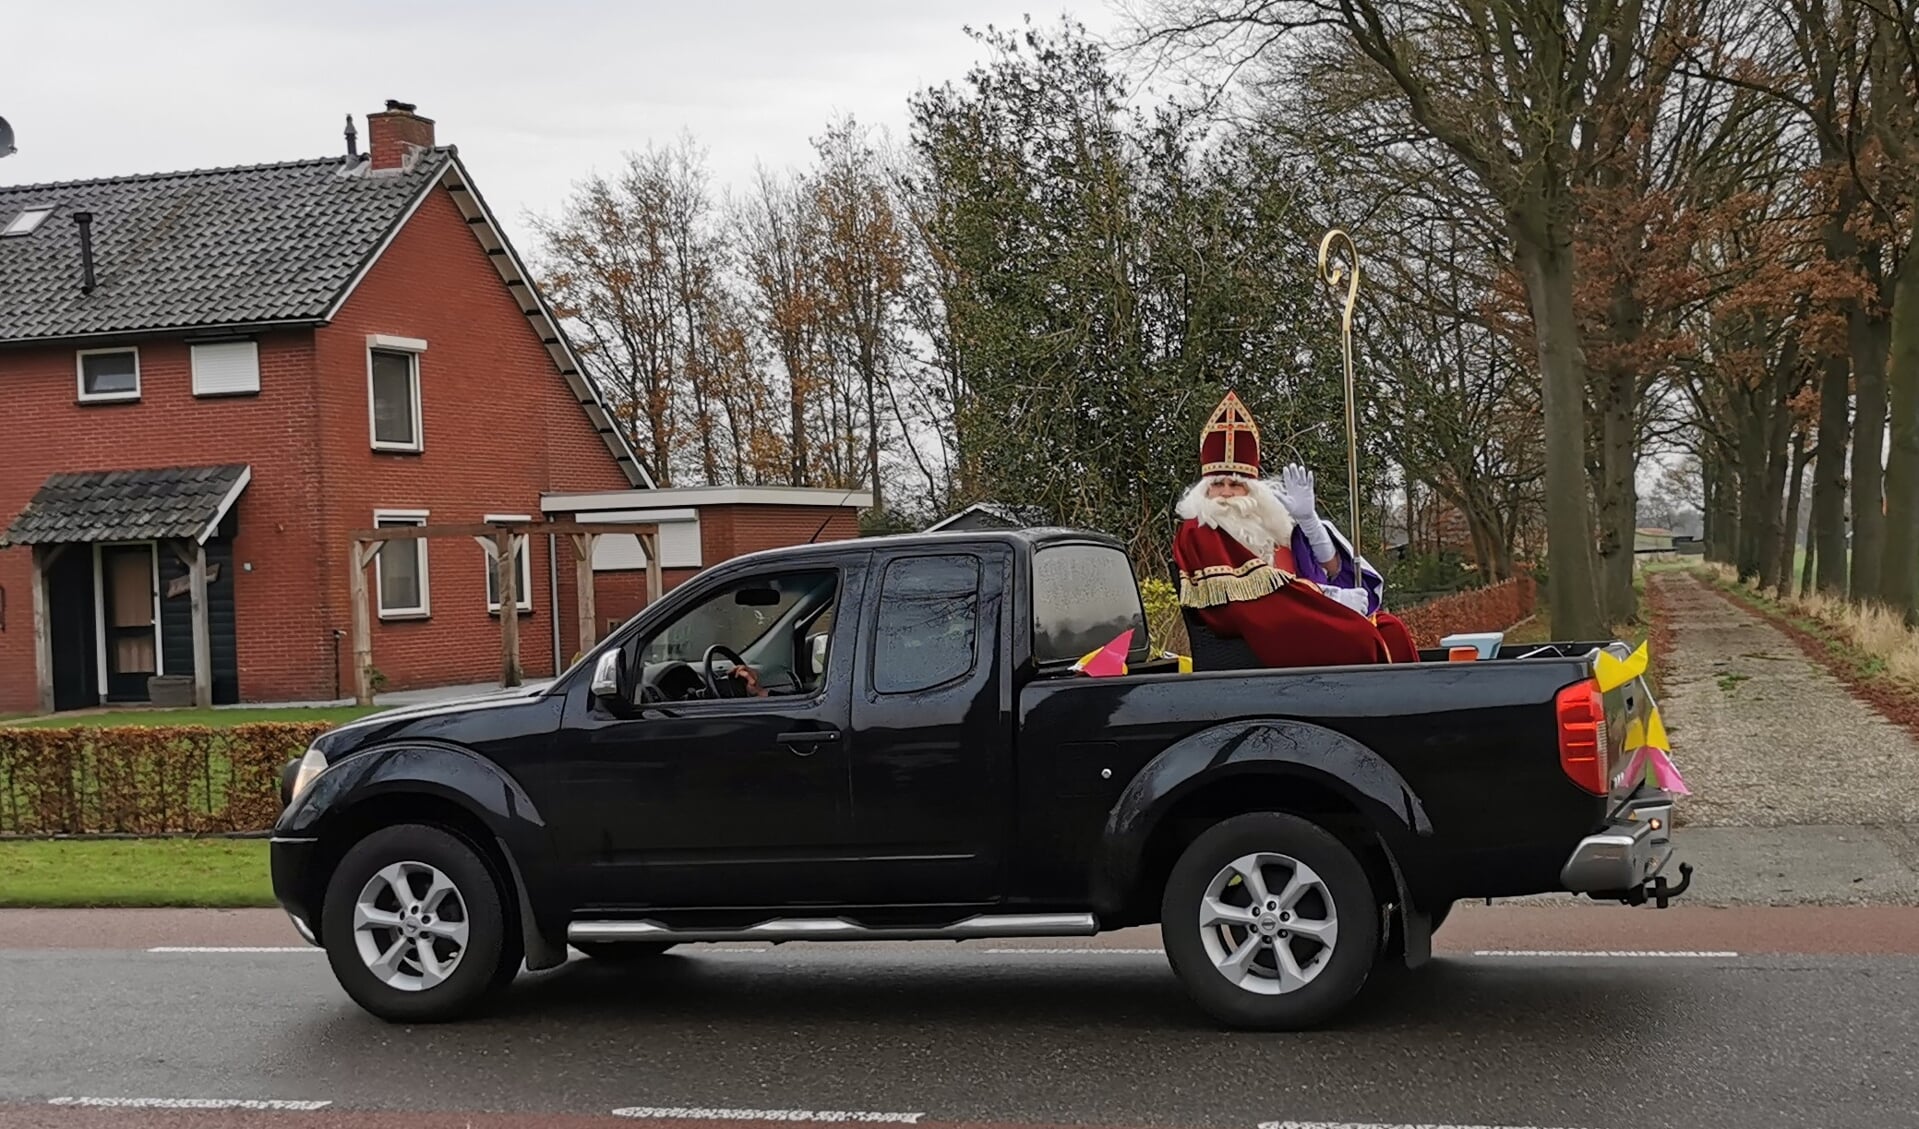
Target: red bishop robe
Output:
[(1399, 641), (1285, 621)]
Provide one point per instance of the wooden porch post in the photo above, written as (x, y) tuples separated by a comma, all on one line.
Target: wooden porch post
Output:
[(583, 578), (194, 556), (43, 558), (360, 557), (507, 571), (654, 581)]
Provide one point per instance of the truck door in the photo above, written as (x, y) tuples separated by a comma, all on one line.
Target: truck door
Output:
[(931, 745), (685, 800)]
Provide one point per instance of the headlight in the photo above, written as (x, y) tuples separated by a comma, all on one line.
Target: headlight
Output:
[(311, 766)]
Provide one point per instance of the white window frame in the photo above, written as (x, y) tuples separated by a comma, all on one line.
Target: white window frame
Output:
[(80, 375), (194, 355), (411, 348), (19, 225), (402, 517), (523, 593)]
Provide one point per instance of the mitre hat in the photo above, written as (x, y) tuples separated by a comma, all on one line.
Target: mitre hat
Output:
[(1230, 442)]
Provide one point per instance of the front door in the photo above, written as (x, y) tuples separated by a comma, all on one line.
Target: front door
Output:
[(72, 625), (127, 600), (684, 799)]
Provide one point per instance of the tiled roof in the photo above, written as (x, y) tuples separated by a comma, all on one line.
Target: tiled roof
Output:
[(211, 247), (128, 505)]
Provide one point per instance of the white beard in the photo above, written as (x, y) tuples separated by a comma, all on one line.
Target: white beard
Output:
[(1255, 520)]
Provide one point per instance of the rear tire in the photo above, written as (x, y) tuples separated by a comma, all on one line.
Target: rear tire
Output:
[(417, 928), (1270, 922)]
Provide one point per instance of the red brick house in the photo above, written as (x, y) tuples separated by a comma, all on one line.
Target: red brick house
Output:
[(213, 377)]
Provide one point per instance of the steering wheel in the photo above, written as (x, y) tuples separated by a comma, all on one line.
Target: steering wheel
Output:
[(713, 684)]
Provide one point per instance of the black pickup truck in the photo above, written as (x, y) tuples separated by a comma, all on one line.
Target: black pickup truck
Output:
[(922, 762)]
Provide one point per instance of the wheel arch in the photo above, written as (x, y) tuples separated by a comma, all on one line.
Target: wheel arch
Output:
[(1263, 765), (447, 787)]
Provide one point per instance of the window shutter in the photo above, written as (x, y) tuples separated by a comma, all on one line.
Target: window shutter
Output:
[(226, 368)]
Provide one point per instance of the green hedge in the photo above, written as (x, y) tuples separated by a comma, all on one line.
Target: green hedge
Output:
[(139, 780)]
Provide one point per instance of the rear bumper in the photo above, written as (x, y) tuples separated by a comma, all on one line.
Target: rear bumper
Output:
[(1630, 851)]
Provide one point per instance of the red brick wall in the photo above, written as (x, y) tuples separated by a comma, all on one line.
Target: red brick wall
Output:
[(500, 426), (282, 636)]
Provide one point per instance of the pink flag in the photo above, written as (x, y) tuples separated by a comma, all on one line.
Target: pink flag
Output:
[(1109, 660), (1654, 762)]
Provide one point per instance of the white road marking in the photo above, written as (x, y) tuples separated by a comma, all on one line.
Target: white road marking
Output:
[(1664, 954), (235, 949), (827, 1116), (191, 1103), (1377, 1125), (1086, 949)]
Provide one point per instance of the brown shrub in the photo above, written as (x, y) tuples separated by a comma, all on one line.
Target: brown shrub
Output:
[(146, 780), (1495, 607)]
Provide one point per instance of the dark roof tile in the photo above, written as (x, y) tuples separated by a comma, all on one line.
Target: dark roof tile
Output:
[(126, 505), (210, 247)]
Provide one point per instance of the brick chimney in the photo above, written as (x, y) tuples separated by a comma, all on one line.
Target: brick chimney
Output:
[(392, 131)]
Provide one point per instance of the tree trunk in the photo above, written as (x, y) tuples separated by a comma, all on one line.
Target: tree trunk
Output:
[(1753, 427), (1778, 458), (1812, 561), (1828, 531), (1618, 497), (869, 364), (1871, 337), (1899, 568), (1569, 524), (1708, 513), (1835, 399), (1789, 541)]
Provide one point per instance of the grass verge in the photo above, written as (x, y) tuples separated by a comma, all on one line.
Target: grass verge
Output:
[(216, 719), (63, 873), (1867, 649)]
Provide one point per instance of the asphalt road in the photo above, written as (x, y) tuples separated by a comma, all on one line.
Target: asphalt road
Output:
[(1520, 1032)]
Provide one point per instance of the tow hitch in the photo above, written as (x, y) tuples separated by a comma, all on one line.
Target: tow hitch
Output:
[(1658, 890)]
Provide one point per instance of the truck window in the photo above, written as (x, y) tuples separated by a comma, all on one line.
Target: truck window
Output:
[(1084, 596), (740, 617), (927, 633)]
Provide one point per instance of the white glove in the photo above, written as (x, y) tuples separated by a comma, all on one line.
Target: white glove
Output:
[(1295, 492), (1354, 598)]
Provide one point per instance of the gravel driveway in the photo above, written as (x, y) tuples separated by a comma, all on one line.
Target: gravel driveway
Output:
[(1763, 735)]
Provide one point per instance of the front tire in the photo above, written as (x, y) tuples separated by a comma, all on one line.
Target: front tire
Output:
[(1270, 922), (416, 926)]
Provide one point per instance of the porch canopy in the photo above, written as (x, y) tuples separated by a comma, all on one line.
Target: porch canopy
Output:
[(181, 507)]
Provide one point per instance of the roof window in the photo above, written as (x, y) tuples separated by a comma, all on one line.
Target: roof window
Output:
[(26, 221)]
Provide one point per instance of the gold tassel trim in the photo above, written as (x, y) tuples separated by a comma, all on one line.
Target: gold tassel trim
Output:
[(1211, 587)]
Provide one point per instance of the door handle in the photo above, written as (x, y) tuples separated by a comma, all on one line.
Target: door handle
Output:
[(805, 742)]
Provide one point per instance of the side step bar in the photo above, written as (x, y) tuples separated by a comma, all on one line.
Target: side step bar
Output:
[(840, 929)]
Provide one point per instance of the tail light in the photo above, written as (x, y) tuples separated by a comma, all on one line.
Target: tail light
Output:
[(1581, 709)]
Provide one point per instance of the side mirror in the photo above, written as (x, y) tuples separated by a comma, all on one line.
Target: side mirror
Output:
[(608, 683), (817, 645)]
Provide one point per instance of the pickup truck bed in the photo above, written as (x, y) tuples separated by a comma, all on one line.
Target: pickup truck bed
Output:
[(928, 765)]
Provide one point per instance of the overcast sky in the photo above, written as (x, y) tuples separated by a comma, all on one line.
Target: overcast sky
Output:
[(534, 97)]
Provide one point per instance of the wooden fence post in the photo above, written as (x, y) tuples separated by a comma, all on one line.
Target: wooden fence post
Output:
[(583, 577), (506, 569), (362, 622)]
